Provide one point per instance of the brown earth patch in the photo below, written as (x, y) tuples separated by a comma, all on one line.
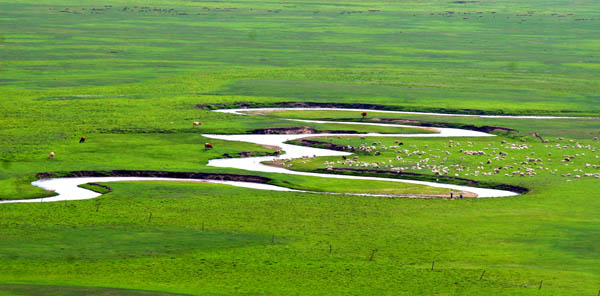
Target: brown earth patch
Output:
[(298, 130)]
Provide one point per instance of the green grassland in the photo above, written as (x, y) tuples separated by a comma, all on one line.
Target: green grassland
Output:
[(254, 237), (540, 56), (129, 75)]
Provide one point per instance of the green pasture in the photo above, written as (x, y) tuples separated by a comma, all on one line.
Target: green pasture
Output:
[(497, 56), (132, 77), (204, 238)]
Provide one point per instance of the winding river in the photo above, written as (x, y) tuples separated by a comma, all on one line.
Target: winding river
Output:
[(67, 188), (294, 151)]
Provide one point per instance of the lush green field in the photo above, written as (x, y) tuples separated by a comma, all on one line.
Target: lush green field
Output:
[(516, 240), (540, 56), (129, 75)]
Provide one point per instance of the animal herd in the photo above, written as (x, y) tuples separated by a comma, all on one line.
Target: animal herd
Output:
[(486, 161)]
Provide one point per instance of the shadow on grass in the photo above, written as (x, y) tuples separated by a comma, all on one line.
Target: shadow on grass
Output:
[(100, 243), (34, 290)]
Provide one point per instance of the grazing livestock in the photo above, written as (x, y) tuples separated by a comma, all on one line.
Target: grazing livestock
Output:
[(82, 140), (208, 146), (197, 123), (51, 155)]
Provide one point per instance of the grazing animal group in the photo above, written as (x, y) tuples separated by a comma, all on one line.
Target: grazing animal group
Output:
[(52, 154)]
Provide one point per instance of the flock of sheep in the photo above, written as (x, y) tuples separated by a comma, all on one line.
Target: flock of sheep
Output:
[(487, 161)]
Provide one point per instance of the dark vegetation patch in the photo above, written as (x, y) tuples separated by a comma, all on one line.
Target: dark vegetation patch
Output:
[(360, 11), (84, 243), (134, 130), (583, 242), (466, 2), (424, 177), (102, 189), (82, 97), (34, 290), (161, 174)]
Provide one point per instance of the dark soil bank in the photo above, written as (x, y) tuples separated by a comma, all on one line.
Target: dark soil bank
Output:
[(335, 105), (250, 154), (372, 107), (424, 177), (298, 130), (161, 174), (326, 145), (484, 128)]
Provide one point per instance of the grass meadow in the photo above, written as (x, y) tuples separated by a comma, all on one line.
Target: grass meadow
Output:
[(128, 75)]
